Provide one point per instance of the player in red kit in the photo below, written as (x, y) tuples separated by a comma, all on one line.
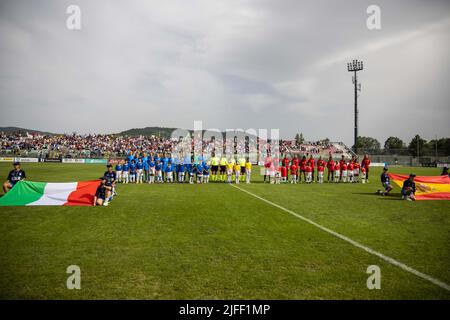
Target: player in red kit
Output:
[(365, 163), (320, 162), (330, 168), (320, 170), (357, 170), (337, 172), (308, 171), (294, 171), (303, 164), (341, 162), (284, 174), (267, 166), (311, 163), (344, 172), (350, 171), (285, 162)]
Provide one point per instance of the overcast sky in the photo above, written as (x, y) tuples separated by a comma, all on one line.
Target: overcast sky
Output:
[(232, 64)]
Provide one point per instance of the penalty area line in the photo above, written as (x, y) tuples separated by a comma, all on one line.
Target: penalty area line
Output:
[(354, 243)]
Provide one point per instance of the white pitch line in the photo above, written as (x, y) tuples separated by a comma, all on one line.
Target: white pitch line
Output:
[(355, 243)]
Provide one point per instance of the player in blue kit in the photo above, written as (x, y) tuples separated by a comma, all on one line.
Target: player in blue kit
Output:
[(145, 161), (190, 170), (164, 162), (125, 172), (119, 171), (169, 172), (158, 170), (181, 171), (206, 169), (151, 169), (14, 176), (199, 172), (139, 171), (133, 171), (130, 157)]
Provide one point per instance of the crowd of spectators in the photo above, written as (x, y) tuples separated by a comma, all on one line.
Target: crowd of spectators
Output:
[(110, 145)]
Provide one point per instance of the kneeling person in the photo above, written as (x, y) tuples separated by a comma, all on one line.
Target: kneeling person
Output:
[(386, 182), (409, 188), (14, 176), (101, 194)]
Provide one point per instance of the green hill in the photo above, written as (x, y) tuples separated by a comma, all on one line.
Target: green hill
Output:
[(22, 130), (149, 131)]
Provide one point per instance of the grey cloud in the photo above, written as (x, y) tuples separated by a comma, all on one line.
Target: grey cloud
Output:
[(232, 64)]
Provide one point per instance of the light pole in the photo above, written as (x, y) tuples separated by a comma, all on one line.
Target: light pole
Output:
[(354, 67)]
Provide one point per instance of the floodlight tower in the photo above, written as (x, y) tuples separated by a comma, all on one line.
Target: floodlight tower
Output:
[(355, 66)]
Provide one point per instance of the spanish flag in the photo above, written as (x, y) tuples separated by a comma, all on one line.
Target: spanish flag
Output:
[(427, 187)]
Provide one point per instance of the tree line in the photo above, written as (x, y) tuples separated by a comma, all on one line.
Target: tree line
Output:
[(396, 146)]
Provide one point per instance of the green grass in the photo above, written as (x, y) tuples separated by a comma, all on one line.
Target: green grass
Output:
[(217, 242)]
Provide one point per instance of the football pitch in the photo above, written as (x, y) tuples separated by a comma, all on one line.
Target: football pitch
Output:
[(216, 241)]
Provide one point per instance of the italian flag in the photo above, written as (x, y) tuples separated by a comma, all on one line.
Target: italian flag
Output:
[(29, 193)]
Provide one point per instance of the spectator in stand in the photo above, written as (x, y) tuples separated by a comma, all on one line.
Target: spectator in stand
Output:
[(445, 172)]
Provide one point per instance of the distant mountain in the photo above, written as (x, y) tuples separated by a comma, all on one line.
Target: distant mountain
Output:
[(22, 130), (148, 131)]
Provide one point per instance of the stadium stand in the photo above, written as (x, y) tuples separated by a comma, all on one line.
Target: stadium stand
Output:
[(111, 145)]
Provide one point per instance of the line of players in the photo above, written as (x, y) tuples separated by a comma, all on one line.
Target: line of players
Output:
[(160, 169), (337, 171)]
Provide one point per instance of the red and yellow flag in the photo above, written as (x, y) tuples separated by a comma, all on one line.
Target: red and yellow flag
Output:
[(427, 187)]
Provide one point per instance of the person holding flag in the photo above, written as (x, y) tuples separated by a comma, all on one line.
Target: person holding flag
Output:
[(409, 188), (386, 182), (14, 176)]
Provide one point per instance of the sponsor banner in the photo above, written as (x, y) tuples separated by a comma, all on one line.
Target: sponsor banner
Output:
[(96, 161), (18, 159), (378, 164), (26, 159), (70, 160), (442, 165), (114, 161), (52, 160), (429, 164)]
